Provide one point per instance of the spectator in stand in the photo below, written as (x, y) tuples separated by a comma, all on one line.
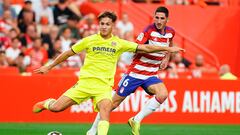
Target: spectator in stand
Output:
[(45, 13), (3, 59), (61, 12), (88, 25), (13, 52), (13, 33), (178, 63), (27, 19), (28, 38), (38, 54), (27, 7), (200, 67), (124, 25), (66, 40), (7, 23), (225, 73), (5, 40), (74, 6), (50, 39), (57, 47), (22, 62), (176, 66), (72, 25), (6, 5)]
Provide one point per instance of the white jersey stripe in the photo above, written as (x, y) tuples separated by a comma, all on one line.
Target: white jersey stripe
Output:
[(163, 44), (156, 34), (143, 68), (146, 60), (140, 76), (157, 54)]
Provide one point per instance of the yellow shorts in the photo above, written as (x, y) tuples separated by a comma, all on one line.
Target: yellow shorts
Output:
[(80, 93)]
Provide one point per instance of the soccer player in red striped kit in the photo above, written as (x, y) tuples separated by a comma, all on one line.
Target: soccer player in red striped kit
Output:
[(143, 71)]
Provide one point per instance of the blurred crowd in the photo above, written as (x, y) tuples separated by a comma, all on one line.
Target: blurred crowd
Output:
[(31, 36), (186, 2), (35, 32), (202, 3)]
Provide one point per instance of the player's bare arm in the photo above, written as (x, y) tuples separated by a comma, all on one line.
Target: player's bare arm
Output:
[(154, 48), (62, 57), (166, 59)]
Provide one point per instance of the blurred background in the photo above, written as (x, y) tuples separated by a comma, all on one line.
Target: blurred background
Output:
[(204, 90)]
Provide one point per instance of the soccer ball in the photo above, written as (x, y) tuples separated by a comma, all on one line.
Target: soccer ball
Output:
[(54, 133)]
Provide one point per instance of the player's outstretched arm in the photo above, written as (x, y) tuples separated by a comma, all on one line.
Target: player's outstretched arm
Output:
[(154, 48), (62, 57)]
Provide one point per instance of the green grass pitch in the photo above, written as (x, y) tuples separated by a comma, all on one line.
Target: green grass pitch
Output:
[(117, 129)]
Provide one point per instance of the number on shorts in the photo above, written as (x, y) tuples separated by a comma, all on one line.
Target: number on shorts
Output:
[(125, 83)]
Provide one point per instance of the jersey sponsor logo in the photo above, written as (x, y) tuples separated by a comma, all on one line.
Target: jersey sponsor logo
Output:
[(104, 49), (140, 36)]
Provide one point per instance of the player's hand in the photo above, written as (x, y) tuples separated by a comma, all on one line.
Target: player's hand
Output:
[(164, 62), (175, 49), (42, 70)]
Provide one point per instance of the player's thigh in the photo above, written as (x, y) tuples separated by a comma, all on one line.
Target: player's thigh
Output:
[(154, 86), (117, 100), (105, 96), (158, 89), (128, 85), (77, 94)]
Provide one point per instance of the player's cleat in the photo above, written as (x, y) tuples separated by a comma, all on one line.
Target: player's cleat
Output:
[(39, 106), (135, 126), (89, 132)]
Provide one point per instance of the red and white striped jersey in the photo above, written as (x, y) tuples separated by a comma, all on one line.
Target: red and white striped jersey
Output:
[(145, 65)]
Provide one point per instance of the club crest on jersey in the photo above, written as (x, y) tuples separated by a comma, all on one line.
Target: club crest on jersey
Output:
[(114, 43)]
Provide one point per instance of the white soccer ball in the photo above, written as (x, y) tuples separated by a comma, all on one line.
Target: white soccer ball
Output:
[(54, 133)]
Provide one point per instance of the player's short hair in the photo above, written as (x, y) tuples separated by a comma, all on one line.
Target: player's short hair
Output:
[(108, 14), (163, 10)]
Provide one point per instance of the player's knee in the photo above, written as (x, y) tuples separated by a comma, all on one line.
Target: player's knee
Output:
[(115, 105), (162, 96), (106, 107)]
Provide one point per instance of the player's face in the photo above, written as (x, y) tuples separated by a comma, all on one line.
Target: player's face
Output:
[(106, 26), (160, 20)]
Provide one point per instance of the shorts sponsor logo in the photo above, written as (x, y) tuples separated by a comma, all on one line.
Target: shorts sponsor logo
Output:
[(121, 90)]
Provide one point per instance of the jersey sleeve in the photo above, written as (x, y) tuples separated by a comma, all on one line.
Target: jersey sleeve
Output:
[(173, 34), (80, 45), (143, 37), (128, 46)]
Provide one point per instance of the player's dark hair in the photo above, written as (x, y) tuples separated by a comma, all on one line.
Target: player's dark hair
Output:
[(163, 10), (108, 14)]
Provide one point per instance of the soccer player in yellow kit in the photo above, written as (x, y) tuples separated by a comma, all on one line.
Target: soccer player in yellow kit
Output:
[(97, 74)]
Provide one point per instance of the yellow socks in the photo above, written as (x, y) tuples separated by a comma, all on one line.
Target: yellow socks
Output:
[(103, 126), (47, 102)]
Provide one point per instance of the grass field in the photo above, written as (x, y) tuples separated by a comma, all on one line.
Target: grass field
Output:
[(117, 129)]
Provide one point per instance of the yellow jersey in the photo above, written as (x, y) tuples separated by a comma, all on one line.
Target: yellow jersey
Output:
[(101, 56)]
